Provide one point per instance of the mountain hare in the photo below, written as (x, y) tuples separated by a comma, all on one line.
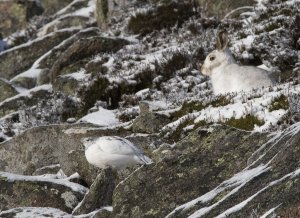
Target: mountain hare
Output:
[(227, 76)]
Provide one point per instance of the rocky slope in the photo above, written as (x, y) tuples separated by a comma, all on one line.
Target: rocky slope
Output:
[(88, 68)]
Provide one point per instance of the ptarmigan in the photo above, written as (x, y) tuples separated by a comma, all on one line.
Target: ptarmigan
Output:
[(113, 152)]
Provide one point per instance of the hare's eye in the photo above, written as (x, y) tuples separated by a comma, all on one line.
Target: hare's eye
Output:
[(212, 58)]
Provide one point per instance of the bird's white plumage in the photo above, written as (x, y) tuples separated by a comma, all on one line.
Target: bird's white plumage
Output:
[(113, 151)]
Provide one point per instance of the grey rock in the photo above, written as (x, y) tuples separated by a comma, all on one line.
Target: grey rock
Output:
[(52, 6), (206, 159), (47, 145), (25, 82), (6, 90), (52, 169), (222, 7), (100, 193), (20, 101), (26, 54), (85, 48), (36, 211), (76, 162), (149, 123), (35, 191)]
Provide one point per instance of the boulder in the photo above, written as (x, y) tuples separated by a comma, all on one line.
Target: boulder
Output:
[(6, 90), (149, 122), (195, 166), (48, 61), (108, 9), (53, 6), (47, 145), (33, 211), (86, 48), (30, 79), (214, 171), (100, 193), (221, 7), (37, 191), (76, 162), (26, 54), (27, 98), (12, 17)]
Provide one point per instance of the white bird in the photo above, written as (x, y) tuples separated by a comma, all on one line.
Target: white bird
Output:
[(113, 152)]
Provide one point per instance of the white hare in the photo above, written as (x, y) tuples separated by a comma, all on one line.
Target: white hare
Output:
[(227, 76)]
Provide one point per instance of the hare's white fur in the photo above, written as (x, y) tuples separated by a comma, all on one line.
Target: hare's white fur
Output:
[(227, 76)]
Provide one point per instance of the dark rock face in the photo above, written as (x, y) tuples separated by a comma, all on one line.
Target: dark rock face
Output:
[(12, 17), (84, 49), (206, 164), (27, 54), (32, 97), (76, 162), (149, 123), (37, 211), (6, 90), (18, 191), (196, 165), (221, 7)]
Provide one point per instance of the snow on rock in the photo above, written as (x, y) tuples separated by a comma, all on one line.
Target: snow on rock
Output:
[(34, 212), (235, 183), (102, 117), (64, 182)]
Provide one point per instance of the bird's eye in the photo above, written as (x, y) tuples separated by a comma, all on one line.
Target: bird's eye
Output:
[(212, 58)]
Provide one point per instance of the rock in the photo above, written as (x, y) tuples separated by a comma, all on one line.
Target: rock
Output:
[(33, 8), (76, 162), (53, 6), (86, 48), (12, 17), (6, 90), (26, 54), (164, 15), (101, 13), (198, 164), (33, 212), (100, 193), (149, 123), (25, 82), (64, 22), (28, 98), (47, 145), (35, 191), (223, 166), (52, 169), (106, 9), (67, 84), (48, 61), (222, 7), (29, 81)]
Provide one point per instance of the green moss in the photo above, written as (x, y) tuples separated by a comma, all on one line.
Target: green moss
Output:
[(186, 108), (220, 101), (246, 123), (272, 26), (280, 102)]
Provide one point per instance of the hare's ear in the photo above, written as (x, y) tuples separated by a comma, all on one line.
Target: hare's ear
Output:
[(222, 40)]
